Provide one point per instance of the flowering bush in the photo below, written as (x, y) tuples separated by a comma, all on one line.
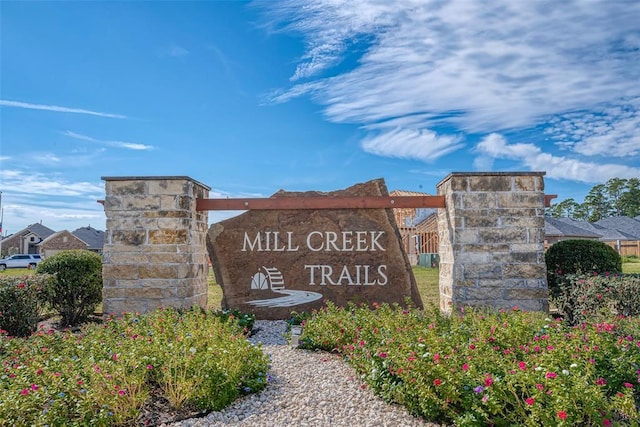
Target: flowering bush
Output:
[(485, 368), (579, 257), (77, 288), (105, 374), (20, 304), (585, 297)]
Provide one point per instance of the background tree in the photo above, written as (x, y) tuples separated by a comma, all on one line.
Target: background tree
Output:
[(598, 203), (617, 197), (630, 199)]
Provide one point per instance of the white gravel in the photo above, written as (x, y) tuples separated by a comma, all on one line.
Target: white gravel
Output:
[(306, 388)]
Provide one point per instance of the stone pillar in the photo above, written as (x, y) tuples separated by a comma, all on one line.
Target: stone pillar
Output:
[(155, 251), (491, 236)]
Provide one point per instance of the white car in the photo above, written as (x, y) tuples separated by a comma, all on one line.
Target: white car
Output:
[(29, 261)]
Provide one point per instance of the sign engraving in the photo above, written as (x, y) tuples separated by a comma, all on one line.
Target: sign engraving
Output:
[(272, 261)]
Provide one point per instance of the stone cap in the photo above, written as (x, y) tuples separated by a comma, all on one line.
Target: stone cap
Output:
[(454, 174), (154, 178)]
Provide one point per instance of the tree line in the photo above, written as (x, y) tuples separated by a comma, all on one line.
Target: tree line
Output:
[(617, 197)]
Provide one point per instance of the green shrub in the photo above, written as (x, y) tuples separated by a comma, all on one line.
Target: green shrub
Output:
[(489, 368), (586, 298), (104, 375), (579, 257), (20, 304), (245, 320), (77, 285)]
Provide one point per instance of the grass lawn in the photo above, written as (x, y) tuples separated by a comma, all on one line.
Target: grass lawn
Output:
[(631, 267)]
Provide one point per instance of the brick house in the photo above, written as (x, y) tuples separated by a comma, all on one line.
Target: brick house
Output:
[(60, 241), (26, 240)]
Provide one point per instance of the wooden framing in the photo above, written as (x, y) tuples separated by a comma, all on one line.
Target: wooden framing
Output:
[(321, 202)]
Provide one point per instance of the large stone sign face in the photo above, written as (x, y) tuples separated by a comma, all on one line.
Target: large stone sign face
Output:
[(272, 262)]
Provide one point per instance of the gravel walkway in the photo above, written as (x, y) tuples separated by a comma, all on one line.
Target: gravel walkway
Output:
[(307, 388)]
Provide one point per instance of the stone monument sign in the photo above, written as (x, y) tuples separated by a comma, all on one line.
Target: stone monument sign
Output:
[(272, 262)]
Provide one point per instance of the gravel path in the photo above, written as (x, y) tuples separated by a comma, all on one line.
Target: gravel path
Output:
[(307, 388)]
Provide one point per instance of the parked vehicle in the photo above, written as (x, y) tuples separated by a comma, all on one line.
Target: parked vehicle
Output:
[(29, 261)]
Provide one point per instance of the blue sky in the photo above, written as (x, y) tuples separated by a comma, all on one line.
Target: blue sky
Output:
[(250, 98)]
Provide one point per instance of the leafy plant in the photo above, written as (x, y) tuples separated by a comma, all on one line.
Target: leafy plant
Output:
[(105, 374), (20, 304), (77, 286), (489, 368), (579, 257)]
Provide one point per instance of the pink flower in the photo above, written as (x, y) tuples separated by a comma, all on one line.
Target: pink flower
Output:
[(465, 367), (601, 381), (551, 375), (382, 355), (488, 381), (606, 422), (530, 401), (149, 367), (34, 387), (121, 392), (628, 385), (540, 387), (522, 366), (436, 357), (24, 391), (437, 382), (562, 415)]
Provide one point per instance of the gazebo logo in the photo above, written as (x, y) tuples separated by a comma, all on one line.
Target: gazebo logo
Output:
[(270, 278)]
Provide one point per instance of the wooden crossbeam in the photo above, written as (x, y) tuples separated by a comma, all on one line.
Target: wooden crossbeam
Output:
[(321, 202), (548, 198)]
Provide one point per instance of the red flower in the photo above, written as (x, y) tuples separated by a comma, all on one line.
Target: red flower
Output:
[(551, 375), (21, 285), (437, 382), (530, 401), (488, 381), (562, 415), (601, 381), (606, 422)]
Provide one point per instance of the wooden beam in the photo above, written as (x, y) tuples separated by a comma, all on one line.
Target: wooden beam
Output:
[(321, 202), (548, 198)]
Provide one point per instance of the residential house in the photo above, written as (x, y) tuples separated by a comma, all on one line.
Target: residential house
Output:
[(60, 241), (92, 237), (629, 228), (556, 229), (414, 226), (26, 240)]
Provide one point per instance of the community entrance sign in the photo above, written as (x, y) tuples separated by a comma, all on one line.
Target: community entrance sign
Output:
[(271, 262)]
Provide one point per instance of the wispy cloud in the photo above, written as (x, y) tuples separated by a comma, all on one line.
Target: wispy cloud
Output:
[(495, 146), (411, 144), (470, 67), (174, 50), (118, 144), (59, 109), (19, 181)]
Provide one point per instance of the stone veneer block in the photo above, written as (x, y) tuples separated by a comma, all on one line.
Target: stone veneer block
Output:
[(155, 251), (492, 240)]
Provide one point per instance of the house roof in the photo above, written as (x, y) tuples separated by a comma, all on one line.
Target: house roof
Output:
[(42, 243), (556, 227), (92, 237), (407, 193), (624, 224), (606, 234), (39, 230)]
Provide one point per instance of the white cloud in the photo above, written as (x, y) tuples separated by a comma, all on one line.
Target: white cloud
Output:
[(614, 131), (18, 181), (173, 50), (416, 144), (474, 67), (58, 108), (60, 203), (557, 167), (118, 144)]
